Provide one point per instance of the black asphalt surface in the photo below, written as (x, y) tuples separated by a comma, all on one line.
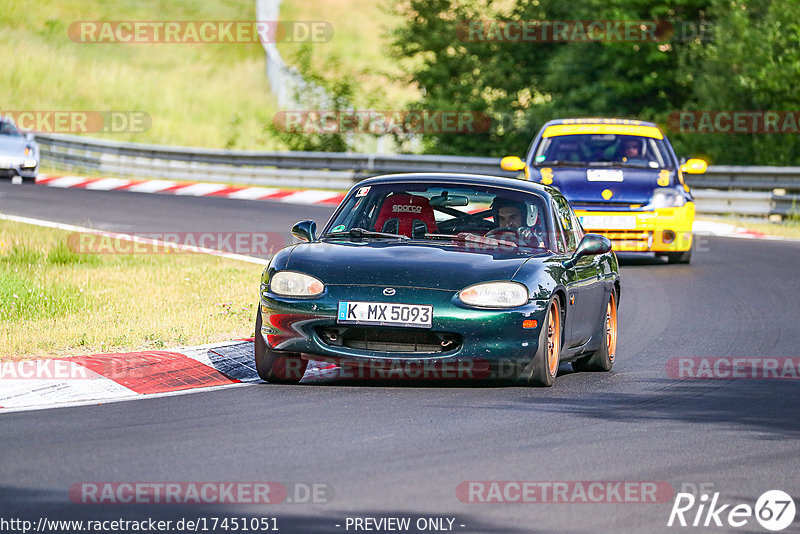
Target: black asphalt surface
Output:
[(401, 451)]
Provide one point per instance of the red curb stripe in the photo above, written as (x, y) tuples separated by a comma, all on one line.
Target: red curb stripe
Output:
[(174, 188), (85, 182), (154, 372), (128, 185), (278, 194), (225, 192), (333, 200), (46, 179)]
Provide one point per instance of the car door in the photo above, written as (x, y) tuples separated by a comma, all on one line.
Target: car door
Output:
[(580, 278), (589, 271)]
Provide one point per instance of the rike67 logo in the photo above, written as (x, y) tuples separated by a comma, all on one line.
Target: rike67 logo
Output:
[(774, 510)]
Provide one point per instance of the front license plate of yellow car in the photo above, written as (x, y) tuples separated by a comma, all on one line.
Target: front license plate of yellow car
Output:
[(384, 313), (601, 222)]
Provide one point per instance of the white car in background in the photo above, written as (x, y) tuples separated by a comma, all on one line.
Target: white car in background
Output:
[(19, 153)]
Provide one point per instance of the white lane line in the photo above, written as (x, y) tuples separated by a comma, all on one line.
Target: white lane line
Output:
[(138, 239), (152, 186), (135, 396), (66, 181), (199, 190), (253, 193), (312, 196), (107, 184)]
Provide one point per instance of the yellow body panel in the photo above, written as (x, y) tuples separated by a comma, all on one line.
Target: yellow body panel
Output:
[(620, 129), (648, 234)]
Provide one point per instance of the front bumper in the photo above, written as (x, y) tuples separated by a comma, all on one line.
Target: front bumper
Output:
[(19, 167), (660, 230), (487, 339)]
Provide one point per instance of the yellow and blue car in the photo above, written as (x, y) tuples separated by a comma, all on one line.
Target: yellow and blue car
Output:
[(623, 180)]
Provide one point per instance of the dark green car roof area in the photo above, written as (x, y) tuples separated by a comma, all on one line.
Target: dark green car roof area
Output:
[(466, 179)]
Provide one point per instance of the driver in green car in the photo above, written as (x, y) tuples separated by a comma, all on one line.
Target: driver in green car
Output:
[(511, 218)]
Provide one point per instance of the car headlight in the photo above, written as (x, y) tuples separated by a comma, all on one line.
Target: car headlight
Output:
[(667, 198), (291, 284), (494, 295)]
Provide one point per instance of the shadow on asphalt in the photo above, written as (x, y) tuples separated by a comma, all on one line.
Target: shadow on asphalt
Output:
[(765, 406)]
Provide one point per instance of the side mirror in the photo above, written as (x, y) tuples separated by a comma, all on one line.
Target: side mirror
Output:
[(590, 245), (513, 163), (305, 230), (694, 166)]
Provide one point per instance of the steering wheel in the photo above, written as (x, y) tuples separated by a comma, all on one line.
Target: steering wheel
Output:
[(497, 232), (522, 237)]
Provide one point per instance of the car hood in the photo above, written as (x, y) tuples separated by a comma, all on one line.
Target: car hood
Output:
[(637, 185), (426, 265), (12, 145)]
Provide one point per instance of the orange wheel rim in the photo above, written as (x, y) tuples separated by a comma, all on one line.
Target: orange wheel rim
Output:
[(611, 327), (553, 338)]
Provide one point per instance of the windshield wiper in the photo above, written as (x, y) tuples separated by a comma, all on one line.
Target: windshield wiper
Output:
[(361, 232), (638, 165), (559, 163)]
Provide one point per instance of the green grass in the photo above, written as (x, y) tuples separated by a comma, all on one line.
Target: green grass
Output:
[(57, 302), (213, 95)]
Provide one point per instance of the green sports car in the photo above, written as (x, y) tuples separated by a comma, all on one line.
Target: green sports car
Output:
[(441, 276)]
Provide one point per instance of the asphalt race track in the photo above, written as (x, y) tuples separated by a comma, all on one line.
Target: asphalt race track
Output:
[(401, 451)]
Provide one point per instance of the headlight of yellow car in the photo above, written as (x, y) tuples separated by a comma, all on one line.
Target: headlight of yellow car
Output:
[(667, 198)]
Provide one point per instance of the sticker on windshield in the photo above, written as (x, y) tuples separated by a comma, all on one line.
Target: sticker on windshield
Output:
[(339, 228), (362, 191), (540, 158)]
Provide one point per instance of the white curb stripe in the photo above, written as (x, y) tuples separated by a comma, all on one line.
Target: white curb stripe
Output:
[(308, 197), (199, 190), (152, 186), (107, 184), (66, 181), (45, 393), (253, 193)]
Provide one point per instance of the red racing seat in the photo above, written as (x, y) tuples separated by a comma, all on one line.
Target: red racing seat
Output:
[(405, 214)]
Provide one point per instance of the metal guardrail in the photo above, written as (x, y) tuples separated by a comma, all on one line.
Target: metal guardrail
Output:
[(722, 189)]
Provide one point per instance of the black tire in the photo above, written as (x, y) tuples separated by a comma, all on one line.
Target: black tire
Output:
[(543, 368), (679, 257), (603, 358), (275, 367)]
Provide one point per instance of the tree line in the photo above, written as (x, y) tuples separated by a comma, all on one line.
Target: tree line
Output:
[(720, 76)]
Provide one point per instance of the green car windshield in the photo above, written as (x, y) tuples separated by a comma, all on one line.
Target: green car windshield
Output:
[(602, 150), (453, 213)]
